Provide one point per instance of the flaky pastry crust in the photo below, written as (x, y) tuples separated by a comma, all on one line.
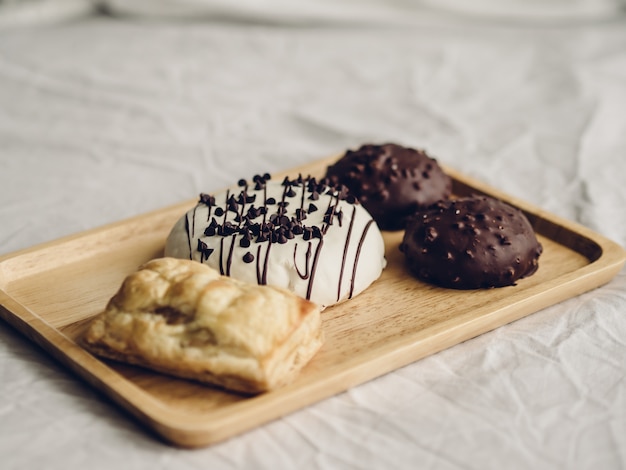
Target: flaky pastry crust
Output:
[(183, 318)]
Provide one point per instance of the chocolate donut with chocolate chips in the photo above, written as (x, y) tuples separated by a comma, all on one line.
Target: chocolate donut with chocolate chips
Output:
[(391, 181), (470, 243)]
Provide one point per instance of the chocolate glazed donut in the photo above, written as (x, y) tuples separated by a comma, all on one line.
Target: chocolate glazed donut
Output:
[(469, 243), (391, 181)]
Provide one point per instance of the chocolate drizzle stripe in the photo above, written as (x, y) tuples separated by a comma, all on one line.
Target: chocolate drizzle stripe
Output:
[(266, 262), (221, 253), (306, 265), (304, 186), (188, 236), (209, 211), (258, 266), (226, 206), (244, 198), (325, 225), (345, 252), (265, 203), (358, 254), (229, 260), (309, 288), (193, 222)]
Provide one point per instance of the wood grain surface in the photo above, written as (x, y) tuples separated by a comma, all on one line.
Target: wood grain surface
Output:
[(50, 292)]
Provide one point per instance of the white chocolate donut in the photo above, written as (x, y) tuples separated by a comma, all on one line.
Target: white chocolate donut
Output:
[(313, 239)]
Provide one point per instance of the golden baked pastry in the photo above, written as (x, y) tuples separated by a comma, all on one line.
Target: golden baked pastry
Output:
[(183, 318)]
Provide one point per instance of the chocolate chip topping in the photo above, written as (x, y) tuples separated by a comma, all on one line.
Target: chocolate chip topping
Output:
[(469, 243), (392, 182), (255, 227), (275, 226)]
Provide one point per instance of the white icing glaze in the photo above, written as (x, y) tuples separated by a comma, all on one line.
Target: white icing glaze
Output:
[(324, 262)]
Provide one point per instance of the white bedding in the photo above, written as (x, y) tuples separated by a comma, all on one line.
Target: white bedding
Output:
[(106, 116)]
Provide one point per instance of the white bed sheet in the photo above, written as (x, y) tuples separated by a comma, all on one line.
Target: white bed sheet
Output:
[(103, 118)]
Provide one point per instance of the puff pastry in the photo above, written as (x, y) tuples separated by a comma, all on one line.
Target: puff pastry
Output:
[(183, 318)]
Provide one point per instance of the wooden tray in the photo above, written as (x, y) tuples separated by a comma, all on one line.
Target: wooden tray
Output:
[(49, 292)]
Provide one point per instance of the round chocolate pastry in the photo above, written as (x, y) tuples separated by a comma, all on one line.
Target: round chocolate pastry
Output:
[(391, 181), (301, 234), (470, 243)]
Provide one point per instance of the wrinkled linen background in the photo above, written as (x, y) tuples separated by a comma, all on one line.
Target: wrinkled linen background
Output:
[(108, 115)]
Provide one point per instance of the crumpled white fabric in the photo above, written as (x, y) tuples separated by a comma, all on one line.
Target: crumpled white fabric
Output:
[(28, 13), (103, 118), (16, 13), (399, 11)]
